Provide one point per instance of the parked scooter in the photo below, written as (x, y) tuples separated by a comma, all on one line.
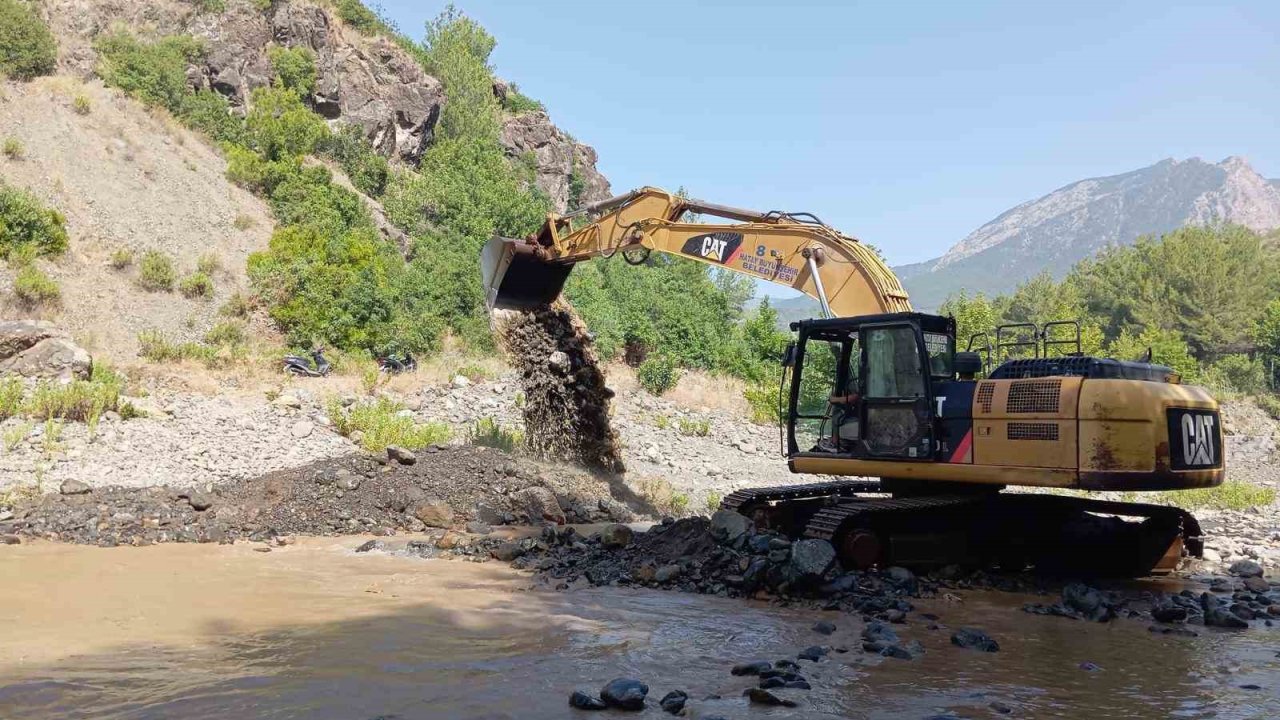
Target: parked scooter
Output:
[(302, 367), (394, 366)]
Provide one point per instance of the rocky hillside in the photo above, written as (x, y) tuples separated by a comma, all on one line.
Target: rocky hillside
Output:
[(132, 179), (1069, 224)]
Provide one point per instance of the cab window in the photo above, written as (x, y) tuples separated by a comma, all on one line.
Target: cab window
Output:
[(893, 363), (941, 349)]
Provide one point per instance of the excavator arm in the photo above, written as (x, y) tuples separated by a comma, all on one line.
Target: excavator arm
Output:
[(796, 250)]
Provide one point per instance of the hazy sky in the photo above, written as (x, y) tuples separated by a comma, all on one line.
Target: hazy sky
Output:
[(905, 124)]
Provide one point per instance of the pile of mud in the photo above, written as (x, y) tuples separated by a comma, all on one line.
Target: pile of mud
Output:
[(448, 487), (566, 410)]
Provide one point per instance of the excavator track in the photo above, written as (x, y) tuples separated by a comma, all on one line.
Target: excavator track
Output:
[(739, 499)]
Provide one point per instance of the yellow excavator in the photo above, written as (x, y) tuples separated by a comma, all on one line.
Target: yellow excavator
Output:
[(875, 390)]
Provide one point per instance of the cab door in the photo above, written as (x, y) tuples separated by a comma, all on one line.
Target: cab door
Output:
[(895, 393)]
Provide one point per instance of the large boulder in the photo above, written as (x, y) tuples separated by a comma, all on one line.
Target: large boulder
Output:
[(540, 504), (35, 348), (728, 527), (562, 163)]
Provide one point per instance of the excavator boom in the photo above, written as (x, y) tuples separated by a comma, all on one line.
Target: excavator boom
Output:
[(793, 249)]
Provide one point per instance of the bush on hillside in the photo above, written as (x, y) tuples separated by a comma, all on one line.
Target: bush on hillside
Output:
[(155, 271), (280, 126), (196, 285), (26, 223), (33, 287), (355, 14), (155, 73), (1237, 374), (210, 113), (658, 374), (27, 48), (367, 169), (295, 69), (516, 102)]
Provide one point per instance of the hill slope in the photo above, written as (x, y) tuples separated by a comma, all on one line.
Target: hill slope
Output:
[(1056, 231)]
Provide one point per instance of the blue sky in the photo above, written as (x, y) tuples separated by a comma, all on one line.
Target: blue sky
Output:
[(905, 124)]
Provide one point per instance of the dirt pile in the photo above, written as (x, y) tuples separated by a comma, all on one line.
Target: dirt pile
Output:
[(566, 402), (447, 487)]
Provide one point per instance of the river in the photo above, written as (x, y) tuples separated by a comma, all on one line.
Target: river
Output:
[(315, 631)]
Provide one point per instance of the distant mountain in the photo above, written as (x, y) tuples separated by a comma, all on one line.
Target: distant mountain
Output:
[(1072, 223)]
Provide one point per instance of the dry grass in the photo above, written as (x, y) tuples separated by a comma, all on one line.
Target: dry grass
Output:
[(664, 498), (696, 390)]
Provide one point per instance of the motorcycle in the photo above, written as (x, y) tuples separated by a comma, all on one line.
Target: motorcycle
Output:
[(394, 366), (302, 367)]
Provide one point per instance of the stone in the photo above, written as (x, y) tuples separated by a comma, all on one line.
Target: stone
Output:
[(667, 573), (822, 627), (974, 639), (673, 702), (401, 455), (1256, 584), (371, 545), (476, 527), (10, 540), (460, 381), (287, 401), (508, 551), (1169, 614), (73, 487), (450, 540), (200, 501), (616, 536), (813, 652), (346, 481), (1245, 569), (878, 632), (811, 558), (728, 527), (540, 504), (433, 513), (754, 667), (302, 429), (760, 696), (36, 348), (559, 361), (583, 701), (624, 694)]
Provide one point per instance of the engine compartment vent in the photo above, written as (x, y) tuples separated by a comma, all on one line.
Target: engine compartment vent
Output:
[(1032, 431), (1034, 396), (986, 391)]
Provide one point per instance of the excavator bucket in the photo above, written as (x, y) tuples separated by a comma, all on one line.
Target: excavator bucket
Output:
[(516, 278)]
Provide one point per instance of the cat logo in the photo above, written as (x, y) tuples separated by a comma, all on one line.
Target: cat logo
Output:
[(720, 247), (1195, 440)]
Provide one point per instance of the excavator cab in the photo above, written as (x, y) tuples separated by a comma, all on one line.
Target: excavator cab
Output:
[(873, 387)]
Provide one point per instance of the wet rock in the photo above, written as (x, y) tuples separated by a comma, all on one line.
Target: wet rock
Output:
[(1256, 584), (813, 652), (673, 702), (878, 632), (974, 639), (508, 551), (10, 540), (1000, 707), (371, 545), (822, 627), (811, 559), (1089, 666), (73, 487), (1215, 615), (540, 504), (1245, 569), (476, 527), (760, 696), (583, 701), (401, 455), (797, 685), (433, 513), (752, 668), (667, 573), (624, 694), (616, 536), (728, 527), (1169, 614), (903, 578)]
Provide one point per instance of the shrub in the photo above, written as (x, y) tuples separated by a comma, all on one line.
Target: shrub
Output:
[(81, 105), (699, 428), (1237, 373), (473, 372), (14, 436), (662, 496), (155, 73), (210, 6), (381, 423), (279, 125), (25, 222), (153, 345), (155, 271), (486, 432), (762, 398), (1270, 404), (210, 113), (226, 332), (33, 287), (243, 222), (13, 149), (121, 258), (295, 69), (196, 285), (658, 374), (27, 48), (367, 169), (713, 501), (355, 14), (209, 263), (11, 392), (516, 102), (81, 400), (236, 306)]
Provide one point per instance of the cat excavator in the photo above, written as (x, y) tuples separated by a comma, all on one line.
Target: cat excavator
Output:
[(933, 443)]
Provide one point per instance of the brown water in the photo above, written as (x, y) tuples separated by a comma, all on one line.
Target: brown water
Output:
[(314, 631)]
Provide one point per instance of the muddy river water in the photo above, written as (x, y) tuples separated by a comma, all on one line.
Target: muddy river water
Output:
[(315, 631)]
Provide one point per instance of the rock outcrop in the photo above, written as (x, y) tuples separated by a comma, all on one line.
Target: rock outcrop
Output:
[(35, 348), (362, 80)]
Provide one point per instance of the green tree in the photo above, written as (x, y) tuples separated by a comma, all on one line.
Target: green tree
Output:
[(27, 48), (1167, 348), (27, 225), (973, 314), (155, 73), (295, 69)]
